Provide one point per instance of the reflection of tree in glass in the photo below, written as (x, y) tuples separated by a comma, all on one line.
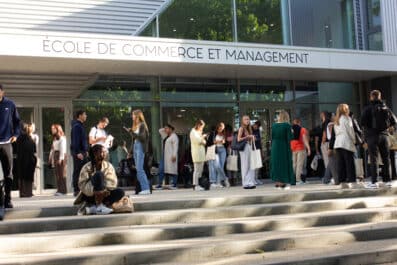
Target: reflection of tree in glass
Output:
[(198, 19), (259, 21)]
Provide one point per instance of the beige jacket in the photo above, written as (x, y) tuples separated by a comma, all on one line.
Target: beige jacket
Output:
[(197, 142), (85, 184)]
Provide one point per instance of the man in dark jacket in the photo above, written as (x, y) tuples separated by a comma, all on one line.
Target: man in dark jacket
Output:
[(376, 119), (79, 147), (9, 131)]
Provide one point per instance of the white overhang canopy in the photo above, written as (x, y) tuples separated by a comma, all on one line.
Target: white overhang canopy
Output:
[(69, 62)]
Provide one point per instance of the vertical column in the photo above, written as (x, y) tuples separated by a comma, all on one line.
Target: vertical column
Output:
[(155, 117), (234, 13), (389, 25), (286, 22)]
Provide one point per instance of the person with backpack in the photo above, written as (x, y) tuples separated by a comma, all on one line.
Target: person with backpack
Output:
[(376, 119), (300, 149)]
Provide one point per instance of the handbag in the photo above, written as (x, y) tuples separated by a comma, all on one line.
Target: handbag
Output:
[(211, 153), (255, 157), (232, 161), (314, 163), (358, 164), (124, 205)]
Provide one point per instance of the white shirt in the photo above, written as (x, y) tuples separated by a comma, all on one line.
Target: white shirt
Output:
[(96, 132), (60, 146), (219, 138)]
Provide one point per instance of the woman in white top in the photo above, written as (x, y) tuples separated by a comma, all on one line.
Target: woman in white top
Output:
[(58, 158), (198, 142), (216, 167), (169, 162), (245, 134), (345, 146), (98, 134)]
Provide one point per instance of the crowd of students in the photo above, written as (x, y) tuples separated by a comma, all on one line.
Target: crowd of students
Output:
[(95, 184)]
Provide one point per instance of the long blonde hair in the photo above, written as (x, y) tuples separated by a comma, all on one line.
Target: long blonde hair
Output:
[(248, 127), (141, 119), (342, 109), (283, 116)]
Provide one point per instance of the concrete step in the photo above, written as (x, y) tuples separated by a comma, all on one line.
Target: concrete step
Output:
[(381, 252), (36, 242), (203, 249), (63, 206), (191, 215)]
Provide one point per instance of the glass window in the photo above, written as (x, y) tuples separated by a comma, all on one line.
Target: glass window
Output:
[(373, 10), (197, 20), (326, 23), (326, 92), (259, 21), (119, 88), (119, 117), (199, 90), (265, 90), (150, 30), (375, 41)]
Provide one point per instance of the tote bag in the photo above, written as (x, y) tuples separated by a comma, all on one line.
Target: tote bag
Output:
[(232, 161), (358, 164), (255, 157), (211, 154)]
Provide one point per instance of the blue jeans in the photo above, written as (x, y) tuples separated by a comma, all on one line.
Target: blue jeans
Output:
[(174, 178), (216, 167), (139, 158)]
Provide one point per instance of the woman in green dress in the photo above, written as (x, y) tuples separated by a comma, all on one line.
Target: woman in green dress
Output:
[(281, 170)]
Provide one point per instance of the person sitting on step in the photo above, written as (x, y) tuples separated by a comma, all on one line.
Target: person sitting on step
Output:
[(98, 184)]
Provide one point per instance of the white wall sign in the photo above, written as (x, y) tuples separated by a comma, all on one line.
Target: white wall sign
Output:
[(108, 47)]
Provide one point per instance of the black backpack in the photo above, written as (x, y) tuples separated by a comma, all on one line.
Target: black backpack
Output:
[(382, 118)]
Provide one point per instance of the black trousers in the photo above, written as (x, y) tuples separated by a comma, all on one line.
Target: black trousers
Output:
[(77, 165), (345, 165), (379, 143), (6, 158)]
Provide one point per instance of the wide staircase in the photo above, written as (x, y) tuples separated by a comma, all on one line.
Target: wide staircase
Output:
[(313, 224)]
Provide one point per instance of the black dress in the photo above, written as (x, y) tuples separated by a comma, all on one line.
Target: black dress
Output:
[(25, 164)]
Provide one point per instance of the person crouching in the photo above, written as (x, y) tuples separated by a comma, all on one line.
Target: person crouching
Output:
[(98, 184)]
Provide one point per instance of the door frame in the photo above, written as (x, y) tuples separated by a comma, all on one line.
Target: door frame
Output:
[(38, 106)]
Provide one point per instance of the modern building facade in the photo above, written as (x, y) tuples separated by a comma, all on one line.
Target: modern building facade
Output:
[(182, 60)]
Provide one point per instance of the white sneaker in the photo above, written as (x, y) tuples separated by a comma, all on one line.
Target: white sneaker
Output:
[(144, 192), (388, 184), (102, 209), (90, 210), (344, 185), (214, 186), (394, 184), (227, 183), (258, 182), (301, 183), (288, 187), (371, 186), (198, 188), (332, 181)]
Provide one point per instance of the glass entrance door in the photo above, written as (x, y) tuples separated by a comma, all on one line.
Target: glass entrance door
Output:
[(49, 116)]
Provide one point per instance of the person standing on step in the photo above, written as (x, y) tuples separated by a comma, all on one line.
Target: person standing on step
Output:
[(79, 147), (245, 135), (281, 170), (140, 147), (198, 142), (216, 167), (98, 184), (344, 146), (58, 158), (169, 161), (376, 119), (9, 131), (98, 135), (300, 149), (26, 161)]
